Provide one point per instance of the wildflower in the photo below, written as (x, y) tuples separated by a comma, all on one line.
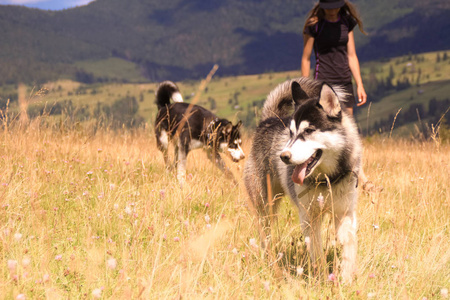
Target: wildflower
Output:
[(112, 186), (128, 210), (299, 271), (331, 277), (308, 242), (99, 150), (21, 297), (371, 275), (112, 263), (280, 255), (58, 257), (17, 236), (116, 206), (234, 251), (85, 193), (253, 243), (320, 200), (375, 226), (45, 278), (208, 226), (207, 218), (97, 293), (162, 193), (371, 295), (26, 261), (89, 173), (444, 293), (266, 285), (176, 239), (12, 265), (206, 204)]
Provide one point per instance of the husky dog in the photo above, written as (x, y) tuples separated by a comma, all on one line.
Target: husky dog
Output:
[(191, 127), (308, 148)]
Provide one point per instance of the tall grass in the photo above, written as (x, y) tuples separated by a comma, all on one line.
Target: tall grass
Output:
[(86, 215)]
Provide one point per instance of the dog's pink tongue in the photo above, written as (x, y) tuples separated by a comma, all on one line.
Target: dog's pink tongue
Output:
[(299, 173)]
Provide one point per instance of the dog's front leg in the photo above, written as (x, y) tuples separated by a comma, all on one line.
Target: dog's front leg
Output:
[(181, 159), (311, 226), (346, 235)]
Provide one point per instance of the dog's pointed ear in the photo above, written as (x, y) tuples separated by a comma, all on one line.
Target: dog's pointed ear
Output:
[(239, 124), (298, 94), (329, 101)]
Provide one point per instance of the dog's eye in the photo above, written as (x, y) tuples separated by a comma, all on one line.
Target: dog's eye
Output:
[(309, 130)]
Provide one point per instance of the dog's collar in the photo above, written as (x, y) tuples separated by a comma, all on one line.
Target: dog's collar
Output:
[(327, 182)]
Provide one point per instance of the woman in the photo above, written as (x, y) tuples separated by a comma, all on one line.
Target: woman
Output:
[(329, 30)]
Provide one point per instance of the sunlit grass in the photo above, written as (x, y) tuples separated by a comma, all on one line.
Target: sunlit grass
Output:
[(97, 215)]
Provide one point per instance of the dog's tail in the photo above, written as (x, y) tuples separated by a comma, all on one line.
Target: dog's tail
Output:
[(167, 90), (279, 102)]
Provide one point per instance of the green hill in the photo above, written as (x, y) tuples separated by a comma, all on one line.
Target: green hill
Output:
[(182, 39), (417, 87)]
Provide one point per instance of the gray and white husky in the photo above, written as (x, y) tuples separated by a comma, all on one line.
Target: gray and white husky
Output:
[(308, 148)]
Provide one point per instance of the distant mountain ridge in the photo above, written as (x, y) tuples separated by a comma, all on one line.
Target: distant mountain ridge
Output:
[(182, 39)]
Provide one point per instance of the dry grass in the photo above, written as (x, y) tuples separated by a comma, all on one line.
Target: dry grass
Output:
[(97, 215)]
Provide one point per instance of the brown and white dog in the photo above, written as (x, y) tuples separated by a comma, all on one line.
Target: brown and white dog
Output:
[(199, 129)]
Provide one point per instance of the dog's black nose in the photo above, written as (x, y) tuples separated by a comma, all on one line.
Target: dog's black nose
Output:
[(286, 156)]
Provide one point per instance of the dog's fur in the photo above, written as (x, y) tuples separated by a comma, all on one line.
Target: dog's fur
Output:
[(308, 148), (200, 128)]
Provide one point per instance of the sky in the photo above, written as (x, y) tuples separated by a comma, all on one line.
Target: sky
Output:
[(47, 4)]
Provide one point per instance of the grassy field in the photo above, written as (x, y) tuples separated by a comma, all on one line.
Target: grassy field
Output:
[(87, 215)]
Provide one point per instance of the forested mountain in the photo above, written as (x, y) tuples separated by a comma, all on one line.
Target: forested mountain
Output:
[(181, 39)]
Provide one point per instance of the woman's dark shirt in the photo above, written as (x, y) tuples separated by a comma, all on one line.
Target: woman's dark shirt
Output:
[(330, 49)]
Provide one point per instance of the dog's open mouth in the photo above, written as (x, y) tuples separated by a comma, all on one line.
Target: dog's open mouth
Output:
[(303, 170)]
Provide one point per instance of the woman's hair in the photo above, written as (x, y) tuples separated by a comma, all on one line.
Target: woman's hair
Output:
[(316, 14)]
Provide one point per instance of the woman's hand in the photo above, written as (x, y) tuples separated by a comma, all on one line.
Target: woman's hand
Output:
[(362, 96)]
